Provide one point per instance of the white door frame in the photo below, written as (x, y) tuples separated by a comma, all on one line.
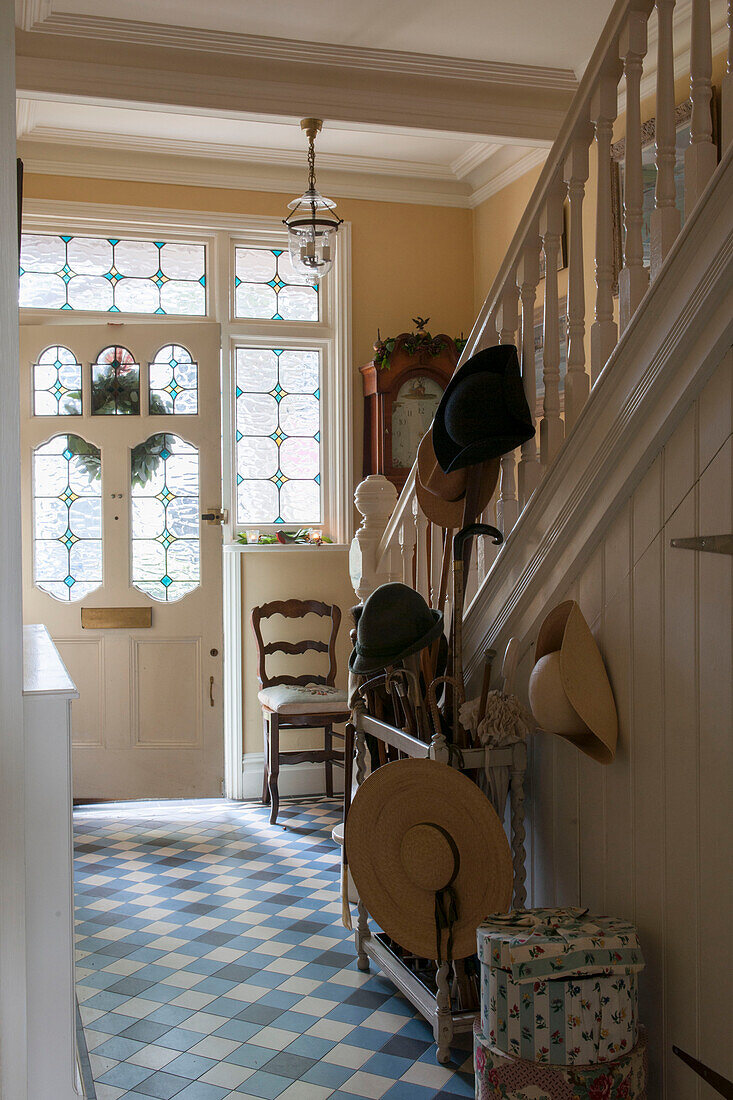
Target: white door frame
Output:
[(13, 1023)]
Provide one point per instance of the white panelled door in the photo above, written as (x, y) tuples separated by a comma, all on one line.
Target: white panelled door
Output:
[(121, 438)]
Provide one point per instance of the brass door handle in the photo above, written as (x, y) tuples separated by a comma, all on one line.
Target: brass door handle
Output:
[(211, 691)]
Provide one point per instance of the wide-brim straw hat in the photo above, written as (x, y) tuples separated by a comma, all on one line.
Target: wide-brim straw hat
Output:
[(442, 496), (413, 828), (569, 691), (394, 623), (483, 412)]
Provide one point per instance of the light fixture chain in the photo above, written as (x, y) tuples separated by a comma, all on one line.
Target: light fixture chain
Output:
[(311, 164)]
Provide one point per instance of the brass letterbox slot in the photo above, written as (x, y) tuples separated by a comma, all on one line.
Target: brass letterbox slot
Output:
[(116, 618)]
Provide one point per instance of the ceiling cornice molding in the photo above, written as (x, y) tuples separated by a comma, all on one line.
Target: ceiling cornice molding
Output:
[(248, 154), (502, 179), (422, 106), (25, 116), (473, 158), (288, 50), (31, 14), (183, 171)]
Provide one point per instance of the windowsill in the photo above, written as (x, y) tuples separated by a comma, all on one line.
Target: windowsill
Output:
[(278, 547)]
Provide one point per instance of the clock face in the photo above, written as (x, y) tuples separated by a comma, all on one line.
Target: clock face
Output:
[(413, 410)]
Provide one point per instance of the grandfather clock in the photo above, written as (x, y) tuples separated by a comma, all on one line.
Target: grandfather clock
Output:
[(400, 400)]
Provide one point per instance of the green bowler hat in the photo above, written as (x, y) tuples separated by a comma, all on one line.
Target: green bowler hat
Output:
[(394, 623)]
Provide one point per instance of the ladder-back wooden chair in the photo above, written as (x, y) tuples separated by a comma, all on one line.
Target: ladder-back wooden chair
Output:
[(309, 701)]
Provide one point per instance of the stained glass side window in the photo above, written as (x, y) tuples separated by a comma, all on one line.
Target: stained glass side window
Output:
[(67, 517), (112, 275), (267, 286), (164, 477), (278, 435), (115, 383), (173, 382), (57, 383)]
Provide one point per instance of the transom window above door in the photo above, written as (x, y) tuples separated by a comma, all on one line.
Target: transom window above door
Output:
[(112, 275)]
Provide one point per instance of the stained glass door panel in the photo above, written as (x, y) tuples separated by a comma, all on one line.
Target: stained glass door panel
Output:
[(112, 520)]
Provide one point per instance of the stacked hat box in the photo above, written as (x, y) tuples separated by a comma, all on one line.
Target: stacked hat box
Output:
[(559, 1006), (559, 986), (502, 1077)]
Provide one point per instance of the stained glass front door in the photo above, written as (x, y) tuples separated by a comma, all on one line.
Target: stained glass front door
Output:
[(121, 453)]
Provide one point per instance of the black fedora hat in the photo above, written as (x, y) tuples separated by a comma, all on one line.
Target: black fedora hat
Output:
[(483, 412), (395, 622)]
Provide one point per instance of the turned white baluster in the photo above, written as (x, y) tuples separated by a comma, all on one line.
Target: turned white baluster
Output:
[(552, 430), (375, 498), (490, 335), (726, 95), (528, 276), (634, 278), (436, 563), (665, 220), (507, 509), (407, 538), (603, 333), (701, 156), (577, 382), (421, 550)]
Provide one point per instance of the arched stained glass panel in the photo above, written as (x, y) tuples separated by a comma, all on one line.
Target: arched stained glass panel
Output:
[(67, 517), (57, 383), (115, 383), (164, 477), (173, 382)]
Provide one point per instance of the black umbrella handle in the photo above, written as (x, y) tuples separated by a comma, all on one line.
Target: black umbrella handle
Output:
[(469, 532)]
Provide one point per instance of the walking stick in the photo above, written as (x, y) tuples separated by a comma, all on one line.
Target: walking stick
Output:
[(460, 553)]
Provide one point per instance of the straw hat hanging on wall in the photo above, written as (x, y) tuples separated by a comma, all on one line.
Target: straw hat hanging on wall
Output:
[(417, 830), (569, 691)]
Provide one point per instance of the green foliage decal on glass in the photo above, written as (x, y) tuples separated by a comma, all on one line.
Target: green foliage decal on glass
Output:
[(67, 517), (164, 477), (115, 383)]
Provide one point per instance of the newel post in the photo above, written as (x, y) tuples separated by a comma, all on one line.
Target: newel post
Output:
[(375, 499)]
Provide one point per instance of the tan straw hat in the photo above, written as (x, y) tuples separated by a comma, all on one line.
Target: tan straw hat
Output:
[(422, 840), (441, 496), (569, 691)]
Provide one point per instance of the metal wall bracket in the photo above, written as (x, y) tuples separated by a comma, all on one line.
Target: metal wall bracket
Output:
[(714, 544)]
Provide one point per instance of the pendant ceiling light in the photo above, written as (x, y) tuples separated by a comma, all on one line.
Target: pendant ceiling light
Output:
[(312, 225)]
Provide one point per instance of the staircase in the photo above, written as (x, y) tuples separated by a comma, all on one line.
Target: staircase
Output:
[(633, 450)]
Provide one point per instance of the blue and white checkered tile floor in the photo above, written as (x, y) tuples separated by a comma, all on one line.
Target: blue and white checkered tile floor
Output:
[(212, 963)]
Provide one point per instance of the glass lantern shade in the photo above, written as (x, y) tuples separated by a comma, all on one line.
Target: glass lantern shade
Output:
[(311, 227)]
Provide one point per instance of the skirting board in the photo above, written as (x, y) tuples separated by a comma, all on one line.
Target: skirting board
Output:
[(294, 779)]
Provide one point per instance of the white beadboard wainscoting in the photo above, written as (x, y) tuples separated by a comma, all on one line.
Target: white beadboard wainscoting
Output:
[(650, 837)]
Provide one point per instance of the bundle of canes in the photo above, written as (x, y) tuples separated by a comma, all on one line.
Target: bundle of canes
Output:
[(461, 552)]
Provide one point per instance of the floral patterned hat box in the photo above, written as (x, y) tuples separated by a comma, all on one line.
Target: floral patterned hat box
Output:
[(502, 1077), (559, 986)]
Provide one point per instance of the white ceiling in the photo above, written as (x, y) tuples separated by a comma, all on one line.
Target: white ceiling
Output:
[(554, 33), (424, 101)]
